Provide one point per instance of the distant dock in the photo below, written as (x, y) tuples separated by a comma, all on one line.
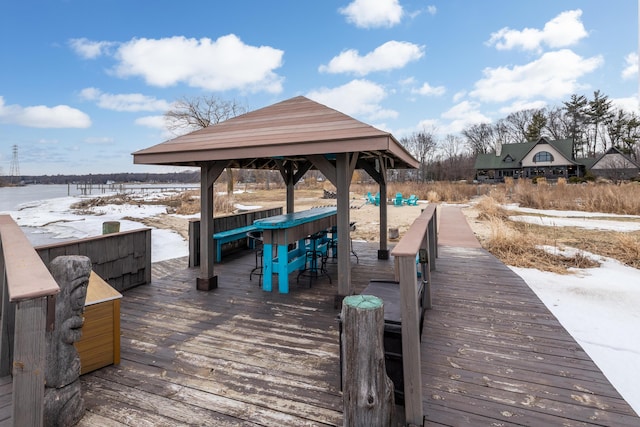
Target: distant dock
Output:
[(87, 189)]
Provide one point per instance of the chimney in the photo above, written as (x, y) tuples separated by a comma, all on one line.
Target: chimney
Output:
[(498, 149)]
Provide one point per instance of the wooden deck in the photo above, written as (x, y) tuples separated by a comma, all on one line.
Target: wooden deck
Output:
[(233, 356), (492, 354)]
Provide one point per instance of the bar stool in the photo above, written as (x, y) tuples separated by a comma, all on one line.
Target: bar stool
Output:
[(315, 259), (258, 249), (333, 242)]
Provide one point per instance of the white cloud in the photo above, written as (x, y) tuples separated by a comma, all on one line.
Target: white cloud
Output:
[(131, 102), (154, 122), (41, 116), (566, 29), (521, 105), (373, 13), (389, 56), (462, 115), (553, 76), (358, 97), (427, 90), (215, 65), (409, 81), (88, 49), (630, 104), (631, 69), (459, 95), (98, 140), (431, 9)]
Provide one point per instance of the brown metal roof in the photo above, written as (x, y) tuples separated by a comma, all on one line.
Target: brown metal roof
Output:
[(291, 129)]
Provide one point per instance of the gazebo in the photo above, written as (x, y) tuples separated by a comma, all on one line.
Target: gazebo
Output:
[(292, 136)]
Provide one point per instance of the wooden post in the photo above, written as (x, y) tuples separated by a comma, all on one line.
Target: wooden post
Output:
[(343, 179), (367, 390), (29, 362)]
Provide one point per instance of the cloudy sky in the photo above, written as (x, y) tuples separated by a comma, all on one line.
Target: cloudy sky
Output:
[(83, 84)]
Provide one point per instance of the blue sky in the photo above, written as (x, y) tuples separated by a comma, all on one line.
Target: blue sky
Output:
[(83, 84)]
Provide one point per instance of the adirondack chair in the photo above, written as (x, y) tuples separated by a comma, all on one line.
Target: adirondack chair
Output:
[(398, 200), (412, 200), (374, 200), (370, 199)]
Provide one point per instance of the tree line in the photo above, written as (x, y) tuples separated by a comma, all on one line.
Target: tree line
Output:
[(593, 124), (185, 177)]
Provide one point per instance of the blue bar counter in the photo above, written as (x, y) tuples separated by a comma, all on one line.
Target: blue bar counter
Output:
[(283, 230)]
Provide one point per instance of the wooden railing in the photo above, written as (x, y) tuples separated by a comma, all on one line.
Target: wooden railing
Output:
[(416, 250), (28, 304), (122, 259)]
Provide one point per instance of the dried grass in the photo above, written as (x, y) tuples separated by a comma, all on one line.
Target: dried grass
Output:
[(516, 245)]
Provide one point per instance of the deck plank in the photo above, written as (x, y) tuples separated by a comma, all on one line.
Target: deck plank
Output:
[(492, 354)]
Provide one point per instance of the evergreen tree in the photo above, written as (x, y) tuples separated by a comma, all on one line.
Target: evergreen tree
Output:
[(534, 130), (576, 111), (598, 112)]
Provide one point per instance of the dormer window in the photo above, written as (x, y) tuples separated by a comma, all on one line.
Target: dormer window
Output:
[(508, 159), (543, 156)]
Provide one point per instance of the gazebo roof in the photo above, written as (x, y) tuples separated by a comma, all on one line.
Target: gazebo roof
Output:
[(292, 129)]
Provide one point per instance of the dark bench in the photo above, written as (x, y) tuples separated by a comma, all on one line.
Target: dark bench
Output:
[(232, 235)]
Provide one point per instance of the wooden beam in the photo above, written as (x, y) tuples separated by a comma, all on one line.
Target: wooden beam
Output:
[(371, 170), (304, 167), (323, 165), (209, 172)]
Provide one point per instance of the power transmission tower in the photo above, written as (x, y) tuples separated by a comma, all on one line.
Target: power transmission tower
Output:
[(15, 167)]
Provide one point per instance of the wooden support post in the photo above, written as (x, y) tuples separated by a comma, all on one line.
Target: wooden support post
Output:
[(367, 390), (209, 172), (29, 362), (345, 286), (383, 252)]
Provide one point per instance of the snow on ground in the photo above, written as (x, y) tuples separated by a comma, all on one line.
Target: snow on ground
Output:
[(58, 221), (599, 307), (587, 220)]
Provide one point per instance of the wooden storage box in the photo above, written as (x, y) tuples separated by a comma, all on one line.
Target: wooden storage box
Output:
[(99, 345)]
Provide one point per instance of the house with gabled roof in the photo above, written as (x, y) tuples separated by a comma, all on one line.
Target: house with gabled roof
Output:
[(613, 164), (541, 158)]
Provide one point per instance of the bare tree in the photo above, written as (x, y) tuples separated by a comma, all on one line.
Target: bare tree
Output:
[(422, 145), (190, 114), (517, 124), (558, 123), (479, 138), (453, 153)]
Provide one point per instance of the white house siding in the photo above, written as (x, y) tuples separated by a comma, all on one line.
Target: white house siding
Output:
[(558, 158)]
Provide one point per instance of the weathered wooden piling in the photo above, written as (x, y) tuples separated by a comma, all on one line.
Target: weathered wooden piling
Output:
[(367, 390)]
